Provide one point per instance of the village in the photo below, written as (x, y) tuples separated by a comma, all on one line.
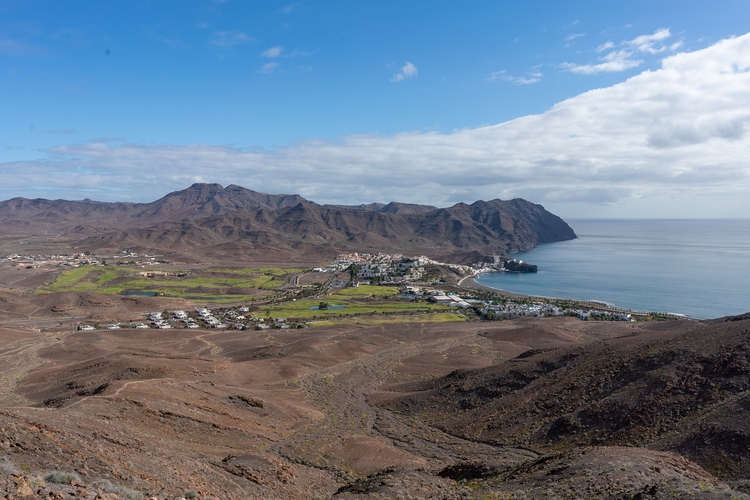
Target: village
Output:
[(418, 280), (466, 304), (233, 318), (390, 269), (124, 258)]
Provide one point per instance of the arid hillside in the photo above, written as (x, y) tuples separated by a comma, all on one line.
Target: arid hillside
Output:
[(529, 408), (680, 388), (211, 221)]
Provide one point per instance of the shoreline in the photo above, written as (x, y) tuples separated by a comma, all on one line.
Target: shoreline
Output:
[(471, 283)]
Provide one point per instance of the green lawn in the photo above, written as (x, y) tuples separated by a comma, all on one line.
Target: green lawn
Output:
[(399, 318), (301, 308), (213, 284), (269, 271), (366, 291), (98, 279), (73, 280), (262, 277)]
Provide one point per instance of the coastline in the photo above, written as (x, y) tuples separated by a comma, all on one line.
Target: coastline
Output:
[(640, 265), (471, 283)]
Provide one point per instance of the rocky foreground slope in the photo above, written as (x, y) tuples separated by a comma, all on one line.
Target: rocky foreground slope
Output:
[(224, 223), (673, 390), (530, 408)]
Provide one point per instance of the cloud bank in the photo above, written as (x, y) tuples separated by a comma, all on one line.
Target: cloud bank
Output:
[(674, 137)]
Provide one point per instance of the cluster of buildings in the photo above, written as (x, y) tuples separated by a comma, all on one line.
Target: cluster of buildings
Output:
[(261, 324), (347, 259), (202, 317), (157, 319), (81, 259), (394, 268), (599, 315), (510, 310), (438, 297), (380, 267), (394, 271), (209, 319), (156, 274), (238, 320)]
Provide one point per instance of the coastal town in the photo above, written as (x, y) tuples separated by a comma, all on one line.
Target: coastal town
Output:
[(429, 285), (240, 318)]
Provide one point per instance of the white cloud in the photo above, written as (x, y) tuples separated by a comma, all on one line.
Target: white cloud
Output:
[(230, 38), (268, 68), (273, 51), (407, 71), (533, 77), (625, 58), (667, 142), (573, 36), (619, 60), (571, 39), (646, 43)]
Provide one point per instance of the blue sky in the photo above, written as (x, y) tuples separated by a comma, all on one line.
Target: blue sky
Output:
[(351, 102)]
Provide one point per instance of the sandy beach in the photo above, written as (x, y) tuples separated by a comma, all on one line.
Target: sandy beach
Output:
[(471, 283)]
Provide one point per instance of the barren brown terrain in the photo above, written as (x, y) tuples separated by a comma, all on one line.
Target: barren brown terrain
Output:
[(320, 413), (392, 407)]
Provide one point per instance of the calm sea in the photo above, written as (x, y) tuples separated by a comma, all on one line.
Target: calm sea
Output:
[(700, 268)]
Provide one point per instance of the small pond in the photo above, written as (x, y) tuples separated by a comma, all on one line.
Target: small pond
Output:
[(330, 308)]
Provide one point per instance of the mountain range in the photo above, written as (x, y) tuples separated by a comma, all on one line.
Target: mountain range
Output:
[(234, 222)]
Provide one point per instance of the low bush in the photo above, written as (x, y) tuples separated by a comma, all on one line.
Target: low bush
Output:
[(122, 490), (59, 477), (7, 467)]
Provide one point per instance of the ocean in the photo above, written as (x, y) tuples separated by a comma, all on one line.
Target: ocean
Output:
[(699, 268)]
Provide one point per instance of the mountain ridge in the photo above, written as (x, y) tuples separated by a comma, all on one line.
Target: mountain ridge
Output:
[(206, 218)]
